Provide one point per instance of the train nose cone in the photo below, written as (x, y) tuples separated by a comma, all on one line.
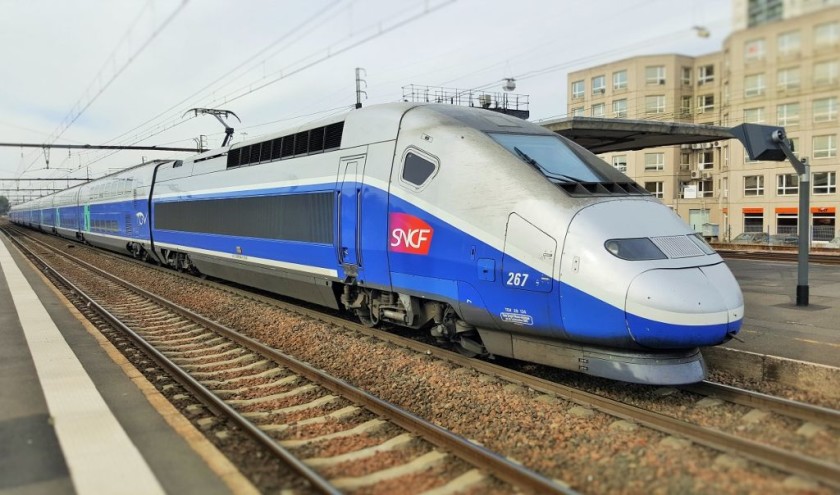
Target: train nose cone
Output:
[(689, 307)]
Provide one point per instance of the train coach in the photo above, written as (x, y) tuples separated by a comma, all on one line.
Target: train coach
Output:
[(493, 233)]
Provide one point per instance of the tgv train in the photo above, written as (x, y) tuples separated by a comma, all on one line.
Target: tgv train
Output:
[(494, 233)]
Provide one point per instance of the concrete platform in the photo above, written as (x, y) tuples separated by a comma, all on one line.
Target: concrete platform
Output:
[(774, 325), (74, 420)]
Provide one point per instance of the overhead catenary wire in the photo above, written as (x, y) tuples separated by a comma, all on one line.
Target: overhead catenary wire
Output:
[(379, 29), (175, 120), (75, 114), (229, 72)]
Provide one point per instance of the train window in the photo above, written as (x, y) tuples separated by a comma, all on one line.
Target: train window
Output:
[(417, 169), (255, 153), (301, 142), (288, 146), (316, 140), (276, 148), (550, 155)]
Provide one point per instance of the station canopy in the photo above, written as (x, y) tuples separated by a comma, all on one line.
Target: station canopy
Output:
[(600, 135)]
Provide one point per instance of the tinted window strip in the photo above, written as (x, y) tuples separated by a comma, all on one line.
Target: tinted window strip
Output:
[(291, 217)]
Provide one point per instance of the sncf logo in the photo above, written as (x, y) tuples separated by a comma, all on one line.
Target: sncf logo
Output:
[(409, 234)]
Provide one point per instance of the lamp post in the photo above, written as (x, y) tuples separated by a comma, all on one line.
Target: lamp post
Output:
[(766, 142)]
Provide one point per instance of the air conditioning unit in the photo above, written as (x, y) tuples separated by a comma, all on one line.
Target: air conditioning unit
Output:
[(717, 144), (697, 146), (707, 145), (685, 146), (695, 174), (599, 91), (707, 175), (662, 81)]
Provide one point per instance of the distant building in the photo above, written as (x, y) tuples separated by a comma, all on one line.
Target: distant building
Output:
[(783, 69)]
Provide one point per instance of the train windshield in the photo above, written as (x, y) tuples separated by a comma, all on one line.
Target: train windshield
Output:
[(554, 158)]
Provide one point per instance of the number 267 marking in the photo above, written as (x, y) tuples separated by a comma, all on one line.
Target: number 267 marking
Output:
[(517, 279)]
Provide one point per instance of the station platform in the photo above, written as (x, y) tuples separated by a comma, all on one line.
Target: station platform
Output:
[(774, 325), (74, 420)]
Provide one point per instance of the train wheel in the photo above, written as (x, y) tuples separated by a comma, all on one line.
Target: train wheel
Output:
[(366, 317)]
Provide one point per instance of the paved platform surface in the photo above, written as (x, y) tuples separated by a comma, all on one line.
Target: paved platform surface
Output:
[(774, 325), (59, 388)]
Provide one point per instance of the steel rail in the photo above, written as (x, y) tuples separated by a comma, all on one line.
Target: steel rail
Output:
[(784, 460), (194, 386), (786, 407), (475, 454)]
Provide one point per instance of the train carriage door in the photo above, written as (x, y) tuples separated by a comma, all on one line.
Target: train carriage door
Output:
[(528, 262), (350, 174)]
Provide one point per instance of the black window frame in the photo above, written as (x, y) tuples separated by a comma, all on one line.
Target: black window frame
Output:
[(423, 156)]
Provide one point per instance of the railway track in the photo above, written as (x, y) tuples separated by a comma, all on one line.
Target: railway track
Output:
[(786, 460), (790, 256), (297, 412)]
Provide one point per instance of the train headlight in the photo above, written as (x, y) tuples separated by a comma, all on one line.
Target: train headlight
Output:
[(640, 249)]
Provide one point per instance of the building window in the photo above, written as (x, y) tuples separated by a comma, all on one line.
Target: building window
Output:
[(599, 85), (825, 109), (788, 79), (827, 35), (619, 108), (685, 162), (706, 188), (620, 163), (826, 73), (654, 104), (686, 76), (754, 185), (825, 146), (685, 105), (789, 43), (705, 74), (754, 85), (655, 188), (706, 160), (577, 112), (620, 79), (825, 182), (753, 222), (705, 103), (754, 50), (787, 115), (754, 115), (787, 184), (787, 223), (655, 74), (654, 161), (598, 110), (578, 89), (824, 223), (763, 11)]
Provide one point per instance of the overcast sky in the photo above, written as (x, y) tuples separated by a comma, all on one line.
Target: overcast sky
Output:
[(126, 70)]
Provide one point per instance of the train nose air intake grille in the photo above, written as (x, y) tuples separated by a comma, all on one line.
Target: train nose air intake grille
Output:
[(677, 246)]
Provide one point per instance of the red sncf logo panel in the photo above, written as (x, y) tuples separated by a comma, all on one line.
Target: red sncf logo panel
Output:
[(409, 234)]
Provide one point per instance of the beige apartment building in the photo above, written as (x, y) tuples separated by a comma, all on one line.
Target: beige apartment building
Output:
[(782, 71)]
